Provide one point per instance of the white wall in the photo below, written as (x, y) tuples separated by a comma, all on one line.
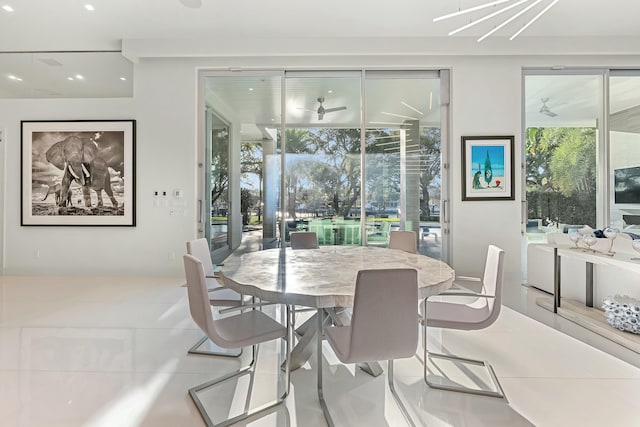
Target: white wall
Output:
[(164, 108), (486, 101)]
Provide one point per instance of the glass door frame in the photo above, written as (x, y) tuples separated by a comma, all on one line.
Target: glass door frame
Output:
[(603, 166), (444, 76), (234, 217), (602, 154), (235, 229)]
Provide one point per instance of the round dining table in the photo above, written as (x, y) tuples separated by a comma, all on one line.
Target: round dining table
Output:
[(324, 279)]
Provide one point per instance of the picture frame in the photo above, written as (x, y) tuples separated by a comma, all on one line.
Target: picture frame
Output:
[(487, 168), (77, 173)]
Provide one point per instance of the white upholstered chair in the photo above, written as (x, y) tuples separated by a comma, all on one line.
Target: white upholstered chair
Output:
[(245, 329), (404, 240), (384, 325), (468, 317), (219, 296), (303, 240)]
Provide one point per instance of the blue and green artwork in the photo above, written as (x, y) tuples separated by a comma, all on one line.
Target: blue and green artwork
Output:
[(487, 164)]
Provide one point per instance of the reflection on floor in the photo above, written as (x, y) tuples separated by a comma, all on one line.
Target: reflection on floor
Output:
[(96, 352)]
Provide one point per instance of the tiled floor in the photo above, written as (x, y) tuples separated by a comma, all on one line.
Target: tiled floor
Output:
[(97, 352)]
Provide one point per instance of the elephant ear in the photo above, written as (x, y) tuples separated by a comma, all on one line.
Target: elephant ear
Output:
[(55, 155), (89, 150)]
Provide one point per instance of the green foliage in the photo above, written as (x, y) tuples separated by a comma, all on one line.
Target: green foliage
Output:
[(561, 174), (430, 160), (573, 164), (219, 167), (246, 202), (251, 159)]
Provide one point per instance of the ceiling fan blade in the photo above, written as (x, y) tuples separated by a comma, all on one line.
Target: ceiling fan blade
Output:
[(305, 109), (330, 110), (193, 4), (550, 113)]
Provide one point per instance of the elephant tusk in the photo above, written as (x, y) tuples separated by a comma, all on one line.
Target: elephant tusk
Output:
[(86, 172), (74, 174)]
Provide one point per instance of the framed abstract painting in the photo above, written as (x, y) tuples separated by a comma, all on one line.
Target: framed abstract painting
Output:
[(78, 173), (487, 168)]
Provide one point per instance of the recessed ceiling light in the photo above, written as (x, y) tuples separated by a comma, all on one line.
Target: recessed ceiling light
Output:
[(89, 7), (329, 91), (69, 78), (7, 8), (79, 77), (12, 77), (250, 89), (123, 78)]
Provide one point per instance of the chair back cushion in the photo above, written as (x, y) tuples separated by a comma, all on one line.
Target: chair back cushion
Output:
[(199, 248), (385, 315), (199, 304), (492, 280), (304, 240), (404, 240)]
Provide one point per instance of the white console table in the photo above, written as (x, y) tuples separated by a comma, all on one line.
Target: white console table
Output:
[(586, 315), (619, 260)]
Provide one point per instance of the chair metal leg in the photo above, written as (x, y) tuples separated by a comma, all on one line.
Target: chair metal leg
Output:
[(396, 396), (499, 393), (247, 370), (323, 404), (235, 352)]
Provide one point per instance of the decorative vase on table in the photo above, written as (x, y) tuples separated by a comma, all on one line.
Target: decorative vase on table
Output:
[(623, 313), (610, 233), (590, 240)]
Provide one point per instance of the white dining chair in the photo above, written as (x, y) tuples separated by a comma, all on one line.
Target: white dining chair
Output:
[(303, 240), (404, 240), (384, 325), (467, 316), (241, 330), (219, 296)]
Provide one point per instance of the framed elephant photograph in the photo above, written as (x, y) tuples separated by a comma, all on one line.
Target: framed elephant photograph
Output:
[(78, 173)]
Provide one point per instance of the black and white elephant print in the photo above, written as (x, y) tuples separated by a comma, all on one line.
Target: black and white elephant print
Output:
[(80, 159)]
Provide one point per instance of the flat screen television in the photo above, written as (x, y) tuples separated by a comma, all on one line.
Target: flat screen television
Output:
[(627, 185)]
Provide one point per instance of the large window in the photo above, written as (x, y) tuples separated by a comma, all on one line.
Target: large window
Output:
[(582, 165), (361, 153), (624, 150), (403, 158), (323, 169), (562, 143)]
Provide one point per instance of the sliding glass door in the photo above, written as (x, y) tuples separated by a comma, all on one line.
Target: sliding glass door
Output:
[(361, 155), (563, 146), (624, 150), (403, 157), (582, 148), (239, 162)]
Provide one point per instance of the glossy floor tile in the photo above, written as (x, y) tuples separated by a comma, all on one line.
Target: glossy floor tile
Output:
[(97, 352)]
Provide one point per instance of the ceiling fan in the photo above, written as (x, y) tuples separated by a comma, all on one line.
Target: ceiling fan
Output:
[(193, 4), (321, 110), (545, 110)]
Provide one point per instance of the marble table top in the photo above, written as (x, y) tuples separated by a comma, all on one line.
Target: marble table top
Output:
[(325, 277)]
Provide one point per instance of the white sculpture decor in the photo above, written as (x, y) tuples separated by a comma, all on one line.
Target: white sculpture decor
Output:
[(623, 313)]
